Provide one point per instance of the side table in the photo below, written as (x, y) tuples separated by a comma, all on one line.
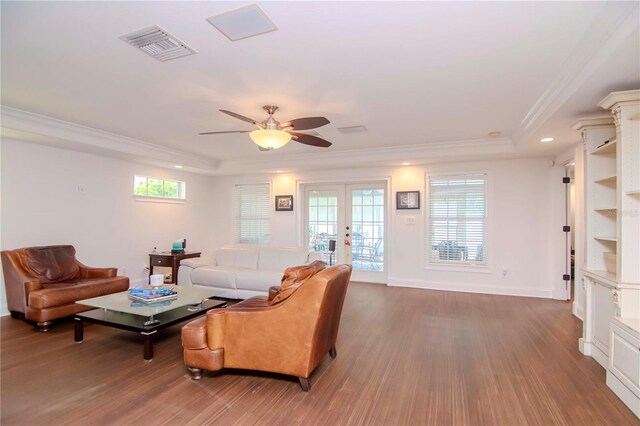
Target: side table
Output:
[(170, 260)]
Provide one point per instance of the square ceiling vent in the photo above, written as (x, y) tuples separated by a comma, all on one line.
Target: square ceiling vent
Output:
[(242, 23), (157, 42)]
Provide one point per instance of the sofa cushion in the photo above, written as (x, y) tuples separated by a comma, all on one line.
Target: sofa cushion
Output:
[(51, 263), (257, 279), (215, 276), (294, 277), (64, 293), (278, 258), (237, 257)]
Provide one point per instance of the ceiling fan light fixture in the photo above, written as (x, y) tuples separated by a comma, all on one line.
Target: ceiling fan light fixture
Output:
[(270, 139)]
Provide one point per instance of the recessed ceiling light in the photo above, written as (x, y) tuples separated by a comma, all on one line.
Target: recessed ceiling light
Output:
[(178, 166), (406, 163), (546, 140), (241, 23), (279, 171)]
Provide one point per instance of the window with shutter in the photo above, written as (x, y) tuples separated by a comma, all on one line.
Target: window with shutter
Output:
[(457, 220), (252, 214)]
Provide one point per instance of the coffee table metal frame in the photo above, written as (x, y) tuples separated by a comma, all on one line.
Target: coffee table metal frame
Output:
[(147, 326)]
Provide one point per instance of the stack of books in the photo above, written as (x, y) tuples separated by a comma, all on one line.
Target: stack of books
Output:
[(153, 294)]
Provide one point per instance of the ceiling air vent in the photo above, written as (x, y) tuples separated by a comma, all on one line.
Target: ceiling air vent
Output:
[(158, 43), (352, 129)]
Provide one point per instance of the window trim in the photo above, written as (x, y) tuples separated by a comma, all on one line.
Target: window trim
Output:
[(484, 268)]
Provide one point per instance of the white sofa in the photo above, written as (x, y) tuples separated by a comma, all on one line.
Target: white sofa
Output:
[(243, 270)]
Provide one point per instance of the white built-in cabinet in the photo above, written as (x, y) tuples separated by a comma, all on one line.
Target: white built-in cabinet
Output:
[(611, 330)]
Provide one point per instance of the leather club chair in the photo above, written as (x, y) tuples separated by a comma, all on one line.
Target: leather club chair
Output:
[(289, 334), (43, 283)]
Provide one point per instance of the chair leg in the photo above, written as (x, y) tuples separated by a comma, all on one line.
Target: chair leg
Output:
[(304, 384), (17, 315), (196, 373), (44, 326), (333, 352)]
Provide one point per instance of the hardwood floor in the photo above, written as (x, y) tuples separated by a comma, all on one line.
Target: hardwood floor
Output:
[(405, 357)]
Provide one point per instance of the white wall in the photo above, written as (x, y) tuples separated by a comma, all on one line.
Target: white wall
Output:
[(40, 206), (521, 220)]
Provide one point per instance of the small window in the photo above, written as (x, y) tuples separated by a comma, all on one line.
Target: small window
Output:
[(252, 211), (144, 186), (456, 234)]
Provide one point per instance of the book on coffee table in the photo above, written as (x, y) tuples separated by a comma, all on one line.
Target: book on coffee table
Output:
[(153, 298), (149, 290)]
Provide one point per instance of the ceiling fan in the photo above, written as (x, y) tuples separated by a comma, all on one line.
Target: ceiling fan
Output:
[(272, 134)]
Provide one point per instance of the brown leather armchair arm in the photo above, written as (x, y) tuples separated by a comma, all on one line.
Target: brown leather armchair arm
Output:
[(89, 272), (18, 282), (273, 291)]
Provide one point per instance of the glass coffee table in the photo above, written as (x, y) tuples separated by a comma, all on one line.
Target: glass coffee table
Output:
[(118, 311)]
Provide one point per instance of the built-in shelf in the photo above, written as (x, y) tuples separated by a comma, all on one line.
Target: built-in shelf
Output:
[(609, 148), (633, 192), (606, 209), (607, 180), (607, 239), (606, 276)]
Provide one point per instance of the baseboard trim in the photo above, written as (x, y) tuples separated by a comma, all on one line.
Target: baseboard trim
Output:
[(467, 288), (600, 356)]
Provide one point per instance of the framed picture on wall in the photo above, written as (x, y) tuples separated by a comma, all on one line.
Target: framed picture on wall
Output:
[(284, 203), (407, 200)]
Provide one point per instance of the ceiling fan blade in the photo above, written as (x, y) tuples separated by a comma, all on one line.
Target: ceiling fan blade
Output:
[(225, 131), (310, 140), (239, 117), (306, 123)]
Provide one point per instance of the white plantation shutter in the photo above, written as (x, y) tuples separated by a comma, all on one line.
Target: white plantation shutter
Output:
[(252, 214), (457, 219)]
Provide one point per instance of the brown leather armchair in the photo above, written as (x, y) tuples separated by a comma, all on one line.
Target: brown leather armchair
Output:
[(43, 283), (288, 336)]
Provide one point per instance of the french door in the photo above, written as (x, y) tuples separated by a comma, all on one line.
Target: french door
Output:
[(346, 223)]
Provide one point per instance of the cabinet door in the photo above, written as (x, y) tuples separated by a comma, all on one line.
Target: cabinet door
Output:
[(603, 311), (624, 358)]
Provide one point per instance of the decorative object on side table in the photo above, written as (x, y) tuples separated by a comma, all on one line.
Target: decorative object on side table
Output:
[(408, 200), (179, 246), (284, 203)]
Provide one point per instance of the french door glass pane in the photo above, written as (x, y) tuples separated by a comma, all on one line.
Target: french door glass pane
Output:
[(323, 224), (367, 220)]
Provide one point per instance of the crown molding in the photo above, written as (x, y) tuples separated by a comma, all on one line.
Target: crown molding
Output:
[(460, 149), (602, 38), (35, 128), (600, 121), (614, 98)]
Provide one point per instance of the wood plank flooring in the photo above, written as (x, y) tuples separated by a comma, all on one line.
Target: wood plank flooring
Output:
[(405, 357)]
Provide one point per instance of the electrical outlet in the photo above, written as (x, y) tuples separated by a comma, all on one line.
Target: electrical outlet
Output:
[(79, 188), (505, 271)]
